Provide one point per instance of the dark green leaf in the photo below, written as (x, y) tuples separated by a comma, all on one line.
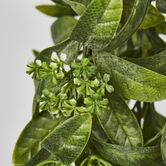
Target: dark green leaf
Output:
[(131, 80), (161, 28), (62, 28), (155, 63), (153, 122), (132, 24), (128, 156), (55, 10), (99, 23), (152, 18), (29, 142), (163, 145), (78, 7), (120, 123), (161, 5), (68, 140)]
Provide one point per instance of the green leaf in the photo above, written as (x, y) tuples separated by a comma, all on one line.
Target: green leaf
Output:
[(132, 24), (153, 122), (155, 63), (131, 80), (95, 161), (128, 156), (120, 124), (38, 92), (99, 23), (163, 145), (29, 142), (55, 10), (79, 8), (152, 18), (68, 47), (161, 5), (62, 28), (161, 28), (68, 140)]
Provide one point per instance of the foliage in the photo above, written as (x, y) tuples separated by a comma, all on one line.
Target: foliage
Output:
[(105, 53)]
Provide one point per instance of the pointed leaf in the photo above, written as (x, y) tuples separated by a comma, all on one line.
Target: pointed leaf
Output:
[(99, 23), (29, 142), (132, 24), (131, 80), (155, 63), (79, 8), (152, 18), (128, 156), (68, 140), (62, 28), (55, 10), (120, 124)]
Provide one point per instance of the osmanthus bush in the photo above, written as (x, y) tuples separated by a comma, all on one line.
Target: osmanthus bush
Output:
[(105, 53)]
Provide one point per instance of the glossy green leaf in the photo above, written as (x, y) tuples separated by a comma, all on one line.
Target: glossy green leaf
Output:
[(128, 156), (68, 140), (155, 63), (79, 8), (99, 23), (131, 80), (161, 5), (29, 142), (163, 145), (152, 18), (120, 124), (132, 24), (55, 10), (62, 28)]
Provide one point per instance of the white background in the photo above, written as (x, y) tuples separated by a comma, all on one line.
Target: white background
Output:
[(21, 29)]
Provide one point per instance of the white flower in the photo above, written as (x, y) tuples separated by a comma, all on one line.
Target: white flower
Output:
[(53, 65), (63, 57), (38, 62), (54, 56), (67, 68), (80, 57)]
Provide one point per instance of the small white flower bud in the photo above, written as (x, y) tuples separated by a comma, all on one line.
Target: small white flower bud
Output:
[(67, 68), (38, 62), (63, 57), (54, 56)]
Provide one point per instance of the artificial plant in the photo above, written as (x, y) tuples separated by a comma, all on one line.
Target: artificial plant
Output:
[(105, 53)]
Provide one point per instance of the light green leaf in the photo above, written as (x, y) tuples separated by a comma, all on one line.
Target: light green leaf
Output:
[(163, 145), (161, 5), (79, 8), (128, 156), (152, 18), (55, 10), (68, 140), (120, 124), (155, 63), (29, 142), (132, 24), (99, 23), (131, 80), (62, 28)]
